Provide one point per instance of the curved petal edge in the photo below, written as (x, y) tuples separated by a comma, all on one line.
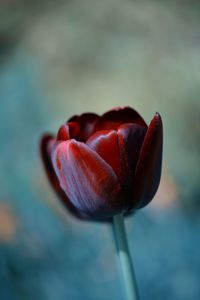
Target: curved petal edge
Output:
[(47, 146), (148, 169), (91, 184)]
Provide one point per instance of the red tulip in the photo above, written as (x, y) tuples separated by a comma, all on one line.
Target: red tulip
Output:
[(104, 165)]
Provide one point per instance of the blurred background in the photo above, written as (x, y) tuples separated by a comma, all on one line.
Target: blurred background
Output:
[(59, 58)]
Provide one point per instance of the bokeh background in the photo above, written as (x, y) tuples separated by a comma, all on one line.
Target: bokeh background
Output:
[(59, 58)]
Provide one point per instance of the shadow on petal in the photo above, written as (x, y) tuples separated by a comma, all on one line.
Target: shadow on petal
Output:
[(86, 122)]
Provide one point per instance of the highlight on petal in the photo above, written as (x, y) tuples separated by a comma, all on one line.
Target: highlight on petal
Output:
[(47, 145), (148, 169), (89, 182), (118, 116), (106, 144), (68, 131), (86, 122)]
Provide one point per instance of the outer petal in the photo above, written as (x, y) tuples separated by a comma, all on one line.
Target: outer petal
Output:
[(87, 122), (118, 116), (148, 169), (87, 179), (47, 145)]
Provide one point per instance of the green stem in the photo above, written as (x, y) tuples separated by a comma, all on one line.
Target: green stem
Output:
[(125, 258)]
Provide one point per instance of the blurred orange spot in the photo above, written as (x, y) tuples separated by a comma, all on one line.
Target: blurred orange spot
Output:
[(7, 223), (167, 192)]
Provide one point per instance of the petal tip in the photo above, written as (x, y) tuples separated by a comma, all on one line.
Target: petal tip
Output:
[(156, 122), (63, 133), (158, 116)]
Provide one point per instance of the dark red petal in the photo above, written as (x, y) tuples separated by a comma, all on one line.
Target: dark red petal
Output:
[(120, 149), (106, 144), (63, 133), (118, 116), (68, 131), (48, 143), (148, 169), (131, 137), (87, 179), (86, 123)]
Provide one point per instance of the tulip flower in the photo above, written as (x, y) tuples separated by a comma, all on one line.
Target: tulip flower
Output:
[(105, 165)]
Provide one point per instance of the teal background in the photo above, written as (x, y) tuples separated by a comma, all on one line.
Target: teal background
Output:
[(67, 57)]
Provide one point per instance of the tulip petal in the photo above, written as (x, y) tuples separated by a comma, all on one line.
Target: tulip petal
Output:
[(148, 169), (68, 131), (106, 144), (86, 122), (118, 116), (87, 179), (131, 137), (47, 145), (120, 149)]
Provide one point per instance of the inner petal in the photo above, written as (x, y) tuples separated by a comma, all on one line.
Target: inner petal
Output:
[(68, 131), (118, 116), (86, 122), (105, 143)]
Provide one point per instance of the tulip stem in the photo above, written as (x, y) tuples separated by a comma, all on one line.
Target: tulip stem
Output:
[(125, 258)]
